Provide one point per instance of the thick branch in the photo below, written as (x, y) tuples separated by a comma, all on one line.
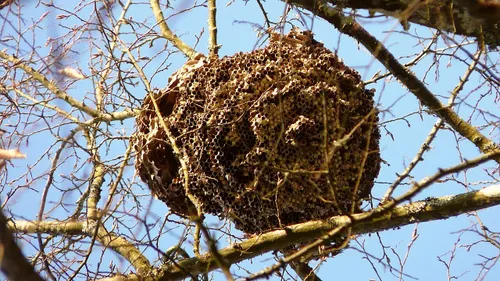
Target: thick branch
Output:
[(5, 3), (108, 239), (212, 28), (98, 173), (421, 211), (472, 18), (167, 32), (12, 261), (47, 227), (352, 28)]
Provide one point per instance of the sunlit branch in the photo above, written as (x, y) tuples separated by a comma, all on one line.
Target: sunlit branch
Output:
[(168, 34), (96, 177), (107, 239), (19, 63), (212, 29), (107, 117), (349, 26), (95, 189), (48, 227), (420, 211), (432, 134)]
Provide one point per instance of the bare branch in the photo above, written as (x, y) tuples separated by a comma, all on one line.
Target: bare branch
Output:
[(19, 63), (420, 211), (477, 19), (12, 261), (108, 239), (107, 117), (350, 27), (168, 34), (212, 28)]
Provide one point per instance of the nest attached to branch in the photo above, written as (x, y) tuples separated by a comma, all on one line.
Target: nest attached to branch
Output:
[(276, 136)]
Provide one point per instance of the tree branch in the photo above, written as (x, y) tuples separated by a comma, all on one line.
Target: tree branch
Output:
[(420, 211), (167, 32), (212, 28), (478, 19), (107, 239), (18, 63), (5, 3), (12, 261), (107, 117), (350, 27)]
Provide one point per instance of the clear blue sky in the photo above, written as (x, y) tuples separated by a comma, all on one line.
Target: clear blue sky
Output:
[(236, 34)]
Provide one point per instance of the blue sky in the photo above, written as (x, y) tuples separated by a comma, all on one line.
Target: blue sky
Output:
[(237, 33)]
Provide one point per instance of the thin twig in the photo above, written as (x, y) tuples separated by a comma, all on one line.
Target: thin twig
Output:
[(264, 13), (61, 94), (99, 92), (413, 62)]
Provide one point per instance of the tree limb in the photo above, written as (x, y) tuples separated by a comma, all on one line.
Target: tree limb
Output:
[(167, 32), (420, 211), (471, 18), (213, 47), (5, 3), (350, 27), (12, 261), (107, 239)]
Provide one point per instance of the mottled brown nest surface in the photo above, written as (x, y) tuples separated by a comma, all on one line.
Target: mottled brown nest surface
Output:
[(280, 135)]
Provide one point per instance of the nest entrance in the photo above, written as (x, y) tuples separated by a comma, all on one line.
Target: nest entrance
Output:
[(280, 135)]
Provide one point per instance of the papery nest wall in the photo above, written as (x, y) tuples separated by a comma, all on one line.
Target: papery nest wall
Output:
[(280, 135)]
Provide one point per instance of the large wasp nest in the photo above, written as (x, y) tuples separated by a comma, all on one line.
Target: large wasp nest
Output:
[(280, 135)]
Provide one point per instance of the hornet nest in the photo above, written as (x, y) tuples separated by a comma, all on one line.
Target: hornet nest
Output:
[(276, 136)]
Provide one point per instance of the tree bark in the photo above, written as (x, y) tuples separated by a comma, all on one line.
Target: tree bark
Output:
[(12, 261), (472, 18), (421, 211), (5, 3)]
